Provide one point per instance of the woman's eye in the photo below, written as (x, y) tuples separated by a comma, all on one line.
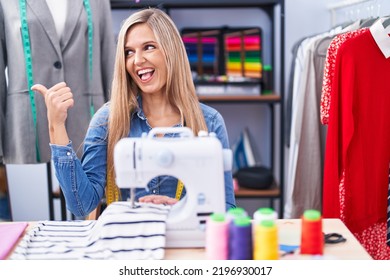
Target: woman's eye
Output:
[(149, 47), (129, 52)]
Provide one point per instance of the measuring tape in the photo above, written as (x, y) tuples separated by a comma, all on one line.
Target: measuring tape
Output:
[(88, 10), (29, 70), (112, 191), (179, 189), (28, 61)]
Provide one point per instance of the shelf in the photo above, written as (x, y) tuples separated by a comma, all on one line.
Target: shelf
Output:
[(267, 98), (275, 10), (270, 194), (253, 193)]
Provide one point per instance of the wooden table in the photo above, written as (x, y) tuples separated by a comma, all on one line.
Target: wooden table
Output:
[(289, 234)]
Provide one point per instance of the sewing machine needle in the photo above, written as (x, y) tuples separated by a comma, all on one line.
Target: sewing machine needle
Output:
[(132, 196)]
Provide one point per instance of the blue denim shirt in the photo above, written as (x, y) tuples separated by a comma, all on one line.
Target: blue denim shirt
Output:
[(83, 181)]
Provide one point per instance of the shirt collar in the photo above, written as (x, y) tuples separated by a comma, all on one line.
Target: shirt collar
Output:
[(140, 113), (381, 36)]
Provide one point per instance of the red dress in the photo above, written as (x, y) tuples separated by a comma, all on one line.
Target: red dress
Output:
[(357, 150)]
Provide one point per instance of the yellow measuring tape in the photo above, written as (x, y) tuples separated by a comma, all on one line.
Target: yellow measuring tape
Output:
[(179, 189), (112, 191)]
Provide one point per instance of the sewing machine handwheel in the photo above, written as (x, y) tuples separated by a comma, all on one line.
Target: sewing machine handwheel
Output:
[(164, 158)]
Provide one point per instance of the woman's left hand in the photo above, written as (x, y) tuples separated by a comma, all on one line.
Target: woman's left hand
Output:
[(158, 199)]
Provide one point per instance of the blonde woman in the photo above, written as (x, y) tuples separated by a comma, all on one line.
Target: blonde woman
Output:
[(152, 87)]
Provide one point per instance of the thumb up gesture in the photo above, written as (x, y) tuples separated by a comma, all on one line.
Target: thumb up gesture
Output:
[(58, 100)]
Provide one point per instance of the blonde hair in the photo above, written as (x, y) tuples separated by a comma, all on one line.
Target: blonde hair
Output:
[(180, 88)]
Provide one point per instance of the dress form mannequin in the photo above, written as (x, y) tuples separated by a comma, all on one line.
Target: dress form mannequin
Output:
[(59, 40), (54, 58), (58, 10)]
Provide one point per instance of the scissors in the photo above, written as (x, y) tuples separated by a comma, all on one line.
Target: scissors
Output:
[(334, 238)]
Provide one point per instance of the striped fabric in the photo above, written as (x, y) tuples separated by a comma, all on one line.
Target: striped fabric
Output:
[(121, 232)]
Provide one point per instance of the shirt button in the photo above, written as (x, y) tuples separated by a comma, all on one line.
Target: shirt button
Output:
[(68, 153), (57, 65), (153, 191)]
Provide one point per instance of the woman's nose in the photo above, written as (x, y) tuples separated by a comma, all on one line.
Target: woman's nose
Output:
[(139, 58)]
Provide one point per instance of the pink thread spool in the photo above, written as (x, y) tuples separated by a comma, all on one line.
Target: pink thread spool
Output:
[(217, 237)]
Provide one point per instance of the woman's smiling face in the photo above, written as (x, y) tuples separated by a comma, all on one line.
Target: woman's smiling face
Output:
[(145, 60)]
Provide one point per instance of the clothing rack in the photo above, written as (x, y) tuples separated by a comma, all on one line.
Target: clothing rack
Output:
[(342, 4)]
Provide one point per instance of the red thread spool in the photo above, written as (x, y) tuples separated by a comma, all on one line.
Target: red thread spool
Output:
[(312, 238)]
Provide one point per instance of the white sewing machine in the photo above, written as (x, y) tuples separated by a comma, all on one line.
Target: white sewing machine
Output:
[(199, 162)]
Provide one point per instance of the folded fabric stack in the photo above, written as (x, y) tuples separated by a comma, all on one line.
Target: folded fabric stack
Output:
[(121, 232)]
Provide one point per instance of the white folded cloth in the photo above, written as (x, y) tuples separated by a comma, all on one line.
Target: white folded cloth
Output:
[(121, 232)]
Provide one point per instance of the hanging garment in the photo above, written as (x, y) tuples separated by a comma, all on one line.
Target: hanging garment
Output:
[(294, 53), (120, 233), (54, 59), (388, 213), (329, 70), (304, 184), (357, 151), (307, 135)]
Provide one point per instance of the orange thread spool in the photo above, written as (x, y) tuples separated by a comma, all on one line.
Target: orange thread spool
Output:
[(312, 238)]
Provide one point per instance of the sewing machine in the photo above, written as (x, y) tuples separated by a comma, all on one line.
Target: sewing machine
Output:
[(199, 162)]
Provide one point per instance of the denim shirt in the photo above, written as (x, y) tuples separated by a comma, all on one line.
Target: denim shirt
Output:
[(83, 181)]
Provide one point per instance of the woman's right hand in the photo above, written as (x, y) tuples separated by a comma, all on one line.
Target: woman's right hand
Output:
[(58, 100), (158, 199)]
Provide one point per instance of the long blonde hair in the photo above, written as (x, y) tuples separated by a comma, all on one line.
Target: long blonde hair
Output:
[(180, 88)]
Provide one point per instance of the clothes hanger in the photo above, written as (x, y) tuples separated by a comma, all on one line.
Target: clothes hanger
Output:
[(326, 40), (386, 22), (368, 22)]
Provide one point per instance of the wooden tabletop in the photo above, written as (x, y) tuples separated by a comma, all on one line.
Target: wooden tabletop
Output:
[(289, 234)]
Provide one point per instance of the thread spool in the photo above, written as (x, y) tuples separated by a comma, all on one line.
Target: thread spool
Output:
[(217, 232), (312, 238), (240, 239), (264, 214), (266, 245), (232, 214)]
